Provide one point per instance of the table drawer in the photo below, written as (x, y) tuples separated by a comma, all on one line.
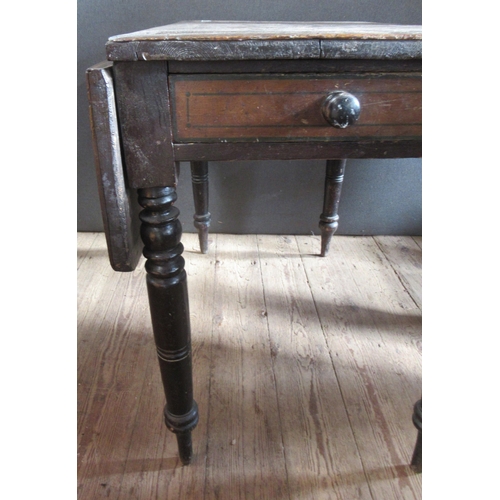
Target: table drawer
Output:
[(281, 108)]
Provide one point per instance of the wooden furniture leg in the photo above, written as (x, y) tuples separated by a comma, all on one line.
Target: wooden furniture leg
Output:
[(416, 461), (329, 219), (168, 300), (199, 178)]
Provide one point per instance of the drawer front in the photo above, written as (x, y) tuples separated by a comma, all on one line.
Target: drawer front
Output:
[(281, 108)]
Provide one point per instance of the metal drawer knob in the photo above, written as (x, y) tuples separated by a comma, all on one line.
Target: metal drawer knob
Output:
[(341, 109)]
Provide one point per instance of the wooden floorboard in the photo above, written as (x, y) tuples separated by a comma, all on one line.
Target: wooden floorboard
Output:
[(321, 454), (306, 370), (373, 331), (405, 256), (245, 450)]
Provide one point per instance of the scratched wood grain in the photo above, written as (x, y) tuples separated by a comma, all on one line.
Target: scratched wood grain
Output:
[(373, 331), (267, 40), (119, 205), (143, 106), (406, 255), (125, 450), (245, 448), (84, 242), (97, 283), (322, 458), (112, 376), (237, 30), (305, 371)]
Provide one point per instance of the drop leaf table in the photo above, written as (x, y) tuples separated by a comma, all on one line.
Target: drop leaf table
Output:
[(215, 91)]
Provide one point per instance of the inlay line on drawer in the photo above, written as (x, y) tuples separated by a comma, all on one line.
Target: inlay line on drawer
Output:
[(288, 107)]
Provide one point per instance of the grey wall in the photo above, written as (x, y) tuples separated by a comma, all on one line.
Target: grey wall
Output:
[(378, 197)]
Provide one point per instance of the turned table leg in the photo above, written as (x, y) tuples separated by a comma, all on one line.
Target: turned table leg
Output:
[(199, 178), (416, 461), (168, 300), (329, 219)]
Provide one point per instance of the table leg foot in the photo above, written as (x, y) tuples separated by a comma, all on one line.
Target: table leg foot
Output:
[(182, 425), (202, 218), (202, 236), (326, 238), (329, 219), (416, 461), (185, 446), (169, 305)]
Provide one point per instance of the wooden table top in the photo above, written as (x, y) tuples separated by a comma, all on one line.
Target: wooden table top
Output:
[(231, 40), (238, 30)]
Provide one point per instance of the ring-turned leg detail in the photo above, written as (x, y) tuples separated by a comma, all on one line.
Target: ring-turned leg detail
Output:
[(329, 219), (168, 301), (416, 461), (199, 178)]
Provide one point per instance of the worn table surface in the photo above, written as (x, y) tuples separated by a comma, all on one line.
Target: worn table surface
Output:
[(231, 30), (222, 40)]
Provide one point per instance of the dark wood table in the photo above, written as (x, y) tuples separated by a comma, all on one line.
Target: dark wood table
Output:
[(206, 91)]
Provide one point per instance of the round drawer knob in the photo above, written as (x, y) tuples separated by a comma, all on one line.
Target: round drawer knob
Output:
[(341, 109)]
